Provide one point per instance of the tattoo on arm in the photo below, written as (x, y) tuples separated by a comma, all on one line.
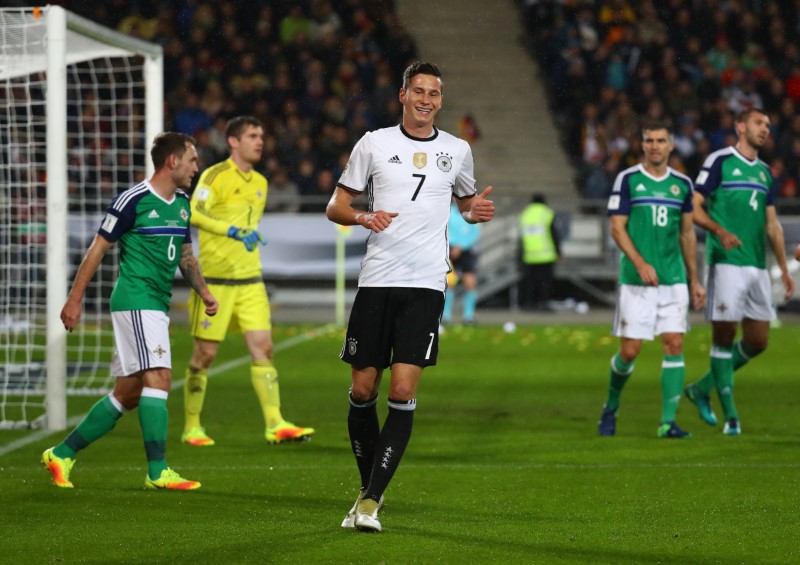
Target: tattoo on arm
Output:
[(190, 268)]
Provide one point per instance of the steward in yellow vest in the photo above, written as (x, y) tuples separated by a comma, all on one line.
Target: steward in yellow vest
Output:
[(535, 226), (539, 251)]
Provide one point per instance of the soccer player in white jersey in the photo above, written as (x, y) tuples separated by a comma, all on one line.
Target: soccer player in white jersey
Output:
[(409, 174), (737, 189), (651, 221), (151, 223)]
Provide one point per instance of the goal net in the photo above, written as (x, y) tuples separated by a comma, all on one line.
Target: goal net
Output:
[(79, 104)]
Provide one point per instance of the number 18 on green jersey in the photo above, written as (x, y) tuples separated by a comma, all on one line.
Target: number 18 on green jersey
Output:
[(655, 207)]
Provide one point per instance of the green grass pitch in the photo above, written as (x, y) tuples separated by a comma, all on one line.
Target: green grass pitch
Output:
[(504, 466)]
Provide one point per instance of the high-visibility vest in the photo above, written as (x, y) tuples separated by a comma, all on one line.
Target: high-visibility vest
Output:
[(537, 240)]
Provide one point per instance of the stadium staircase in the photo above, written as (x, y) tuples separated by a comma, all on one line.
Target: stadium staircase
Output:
[(489, 75)]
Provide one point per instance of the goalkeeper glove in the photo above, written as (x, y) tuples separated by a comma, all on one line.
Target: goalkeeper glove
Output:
[(250, 238)]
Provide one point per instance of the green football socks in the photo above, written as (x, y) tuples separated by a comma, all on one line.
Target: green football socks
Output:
[(100, 420), (740, 358), (722, 369), (618, 376), (154, 418), (672, 375)]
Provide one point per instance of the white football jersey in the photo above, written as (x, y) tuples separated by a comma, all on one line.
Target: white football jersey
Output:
[(414, 177)]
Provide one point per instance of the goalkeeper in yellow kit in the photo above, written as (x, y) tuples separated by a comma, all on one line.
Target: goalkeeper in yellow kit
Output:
[(226, 208)]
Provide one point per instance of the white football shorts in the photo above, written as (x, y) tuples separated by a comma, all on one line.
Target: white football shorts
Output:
[(142, 342), (644, 312), (736, 293)]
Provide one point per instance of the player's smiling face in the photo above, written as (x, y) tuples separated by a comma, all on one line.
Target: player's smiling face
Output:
[(249, 145), (421, 101)]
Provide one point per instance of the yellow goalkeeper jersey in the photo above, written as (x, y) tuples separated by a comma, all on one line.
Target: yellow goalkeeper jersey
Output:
[(227, 196)]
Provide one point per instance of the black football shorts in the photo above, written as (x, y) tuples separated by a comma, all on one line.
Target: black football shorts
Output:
[(393, 325)]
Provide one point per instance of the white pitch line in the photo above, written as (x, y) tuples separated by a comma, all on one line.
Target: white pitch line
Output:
[(177, 385)]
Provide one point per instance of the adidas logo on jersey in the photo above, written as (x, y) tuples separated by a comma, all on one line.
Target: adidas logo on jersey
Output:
[(737, 173), (641, 188), (396, 160), (153, 214)]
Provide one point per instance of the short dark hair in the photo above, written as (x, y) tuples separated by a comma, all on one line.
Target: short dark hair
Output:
[(651, 125), (742, 116), (237, 125), (419, 68), (169, 143)]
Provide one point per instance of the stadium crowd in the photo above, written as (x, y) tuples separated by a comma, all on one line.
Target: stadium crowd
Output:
[(611, 64), (317, 73)]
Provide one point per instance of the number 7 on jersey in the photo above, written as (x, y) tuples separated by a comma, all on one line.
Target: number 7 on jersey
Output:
[(419, 186)]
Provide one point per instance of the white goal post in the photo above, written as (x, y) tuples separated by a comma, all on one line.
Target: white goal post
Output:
[(79, 105)]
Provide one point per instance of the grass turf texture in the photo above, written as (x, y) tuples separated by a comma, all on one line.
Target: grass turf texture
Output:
[(504, 465)]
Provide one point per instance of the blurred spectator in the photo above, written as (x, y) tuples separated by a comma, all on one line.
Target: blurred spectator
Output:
[(742, 95), (325, 20), (293, 24), (283, 195), (616, 12), (593, 143), (305, 177), (793, 84), (720, 136), (468, 129), (191, 118), (786, 185), (621, 123), (206, 154), (324, 183), (687, 137), (721, 55)]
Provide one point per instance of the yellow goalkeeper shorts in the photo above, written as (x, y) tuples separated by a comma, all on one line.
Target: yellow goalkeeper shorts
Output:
[(242, 308)]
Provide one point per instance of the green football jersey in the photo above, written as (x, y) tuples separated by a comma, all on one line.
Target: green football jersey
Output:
[(150, 232), (737, 192), (655, 208)]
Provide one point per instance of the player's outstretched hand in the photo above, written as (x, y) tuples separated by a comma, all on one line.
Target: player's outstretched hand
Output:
[(71, 315), (481, 209), (375, 221), (250, 238)]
